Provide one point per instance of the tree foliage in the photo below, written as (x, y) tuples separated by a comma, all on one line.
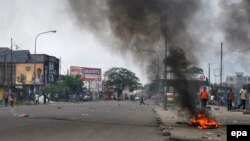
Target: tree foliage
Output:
[(121, 78), (68, 85)]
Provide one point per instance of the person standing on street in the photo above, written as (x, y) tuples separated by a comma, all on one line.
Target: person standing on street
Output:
[(243, 97), (6, 98), (12, 98), (230, 97), (142, 100), (204, 98), (56, 97), (36, 98), (49, 97), (44, 98)]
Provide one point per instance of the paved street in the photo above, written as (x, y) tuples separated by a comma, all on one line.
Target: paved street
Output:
[(90, 121)]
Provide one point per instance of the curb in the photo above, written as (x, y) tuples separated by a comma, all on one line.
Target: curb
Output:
[(165, 131)]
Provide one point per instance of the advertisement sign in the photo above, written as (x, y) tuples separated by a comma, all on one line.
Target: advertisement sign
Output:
[(87, 74), (193, 76), (26, 74), (74, 70), (92, 74)]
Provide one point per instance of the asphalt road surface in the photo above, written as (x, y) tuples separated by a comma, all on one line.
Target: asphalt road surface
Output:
[(90, 121)]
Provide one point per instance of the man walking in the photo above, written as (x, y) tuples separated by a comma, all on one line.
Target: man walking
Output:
[(230, 97), (142, 100), (243, 97), (204, 98)]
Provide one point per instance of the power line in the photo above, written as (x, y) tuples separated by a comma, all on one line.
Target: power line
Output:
[(237, 51), (62, 67)]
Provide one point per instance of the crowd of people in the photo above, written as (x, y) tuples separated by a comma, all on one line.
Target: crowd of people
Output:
[(231, 97)]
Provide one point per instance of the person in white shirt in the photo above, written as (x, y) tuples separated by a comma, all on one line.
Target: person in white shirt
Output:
[(37, 98), (243, 97)]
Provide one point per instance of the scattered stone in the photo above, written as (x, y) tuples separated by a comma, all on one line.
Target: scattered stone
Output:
[(235, 121), (205, 138), (246, 113), (166, 132), (216, 108), (24, 115), (162, 128), (218, 135), (58, 107), (209, 133), (160, 124), (158, 119), (181, 122)]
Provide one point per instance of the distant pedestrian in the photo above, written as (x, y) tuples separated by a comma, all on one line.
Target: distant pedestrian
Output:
[(21, 96), (36, 98), (204, 98), (56, 97), (44, 98), (12, 99), (243, 97), (6, 98), (230, 97), (142, 100), (49, 97)]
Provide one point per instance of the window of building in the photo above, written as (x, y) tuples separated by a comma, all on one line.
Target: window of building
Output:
[(231, 79), (51, 78), (51, 66)]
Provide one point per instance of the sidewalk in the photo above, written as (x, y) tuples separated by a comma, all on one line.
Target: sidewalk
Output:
[(176, 120)]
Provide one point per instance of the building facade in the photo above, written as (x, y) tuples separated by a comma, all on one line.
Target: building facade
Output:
[(238, 80), (25, 72)]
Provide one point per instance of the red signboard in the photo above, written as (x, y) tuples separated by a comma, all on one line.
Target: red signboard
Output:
[(74, 70)]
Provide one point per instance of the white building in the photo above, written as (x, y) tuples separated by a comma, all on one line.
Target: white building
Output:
[(238, 80)]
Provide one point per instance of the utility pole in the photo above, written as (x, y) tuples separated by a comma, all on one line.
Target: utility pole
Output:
[(60, 67), (165, 67), (209, 73), (221, 57), (11, 79)]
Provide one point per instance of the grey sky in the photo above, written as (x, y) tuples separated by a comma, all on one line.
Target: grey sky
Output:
[(24, 19)]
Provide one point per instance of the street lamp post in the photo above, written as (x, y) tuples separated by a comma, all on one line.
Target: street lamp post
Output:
[(158, 67), (34, 73)]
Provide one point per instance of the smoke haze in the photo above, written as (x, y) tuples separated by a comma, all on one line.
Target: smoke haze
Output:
[(133, 25)]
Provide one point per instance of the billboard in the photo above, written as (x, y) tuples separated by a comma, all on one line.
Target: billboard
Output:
[(190, 76), (26, 75), (87, 74), (92, 74), (74, 70)]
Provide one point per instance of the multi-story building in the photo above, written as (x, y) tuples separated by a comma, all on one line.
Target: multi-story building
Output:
[(17, 70), (238, 80)]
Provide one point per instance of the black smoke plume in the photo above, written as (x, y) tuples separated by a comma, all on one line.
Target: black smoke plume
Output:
[(133, 25), (180, 68)]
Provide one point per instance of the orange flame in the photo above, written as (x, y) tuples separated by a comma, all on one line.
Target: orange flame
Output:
[(202, 121)]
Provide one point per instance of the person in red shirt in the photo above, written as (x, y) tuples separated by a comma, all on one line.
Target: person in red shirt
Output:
[(204, 98), (230, 97)]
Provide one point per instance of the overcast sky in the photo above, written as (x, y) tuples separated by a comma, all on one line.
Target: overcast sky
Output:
[(22, 20)]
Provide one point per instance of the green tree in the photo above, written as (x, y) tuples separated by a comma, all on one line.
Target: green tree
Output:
[(121, 78), (68, 84)]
